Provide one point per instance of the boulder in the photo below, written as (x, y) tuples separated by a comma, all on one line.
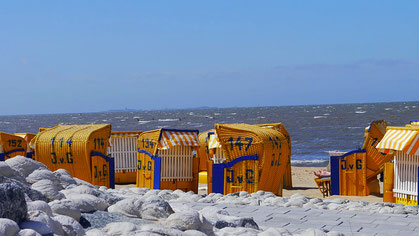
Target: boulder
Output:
[(130, 207), (70, 226), (193, 233), (37, 226), (65, 207), (185, 220), (7, 171), (64, 177), (40, 216), (8, 227), (25, 166), (221, 219), (28, 232), (12, 201), (49, 189), (88, 203), (230, 231), (41, 206), (96, 232), (158, 229), (42, 174), (119, 228), (155, 210)]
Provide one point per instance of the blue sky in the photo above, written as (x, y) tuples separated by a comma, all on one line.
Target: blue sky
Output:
[(86, 56)]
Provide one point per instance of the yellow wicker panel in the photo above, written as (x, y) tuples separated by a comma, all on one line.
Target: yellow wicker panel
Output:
[(267, 173), (9, 143), (149, 142), (353, 181), (203, 152), (70, 146)]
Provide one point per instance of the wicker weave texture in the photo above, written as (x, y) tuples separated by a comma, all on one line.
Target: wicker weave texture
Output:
[(10, 143)]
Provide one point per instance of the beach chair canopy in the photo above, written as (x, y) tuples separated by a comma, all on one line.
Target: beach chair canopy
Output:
[(404, 139), (11, 146)]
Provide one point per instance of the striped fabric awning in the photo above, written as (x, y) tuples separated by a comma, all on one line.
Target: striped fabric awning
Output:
[(405, 140), (178, 138), (213, 142)]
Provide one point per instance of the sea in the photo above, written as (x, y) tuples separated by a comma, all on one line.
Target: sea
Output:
[(314, 129)]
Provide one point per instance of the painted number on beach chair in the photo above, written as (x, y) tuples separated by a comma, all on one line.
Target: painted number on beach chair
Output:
[(147, 143), (231, 178), (238, 143), (15, 143), (276, 162)]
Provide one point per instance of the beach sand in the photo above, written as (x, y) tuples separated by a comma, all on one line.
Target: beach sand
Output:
[(303, 182)]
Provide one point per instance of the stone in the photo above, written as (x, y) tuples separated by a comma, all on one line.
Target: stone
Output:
[(42, 174), (96, 232), (28, 232), (159, 230), (49, 189), (155, 210), (82, 182), (100, 219), (70, 226), (37, 226), (7, 171), (8, 227), (221, 219), (40, 216), (193, 233), (12, 201), (65, 207), (119, 228), (334, 233), (296, 202), (230, 231), (88, 203), (130, 207), (275, 232), (25, 166), (64, 177), (185, 220), (41, 206)]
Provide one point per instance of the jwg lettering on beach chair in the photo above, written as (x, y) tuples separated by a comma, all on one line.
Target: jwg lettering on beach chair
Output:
[(401, 176), (246, 158), (11, 146), (355, 173), (79, 149), (123, 148), (167, 159)]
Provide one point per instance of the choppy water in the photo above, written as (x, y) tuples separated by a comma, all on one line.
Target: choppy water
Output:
[(313, 129)]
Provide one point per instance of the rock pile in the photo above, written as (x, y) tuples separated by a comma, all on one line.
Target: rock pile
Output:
[(36, 201)]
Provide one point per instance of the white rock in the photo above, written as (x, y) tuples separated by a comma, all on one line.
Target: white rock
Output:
[(313, 232), (386, 210), (82, 182), (65, 207), (42, 174), (39, 205), (70, 226), (130, 207), (82, 189), (48, 189), (28, 232), (193, 233), (155, 210), (296, 202), (24, 165), (119, 228), (42, 217), (230, 231), (37, 226), (275, 232), (88, 203), (186, 220), (7, 171), (64, 177), (96, 232), (220, 219), (8, 227), (159, 229)]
